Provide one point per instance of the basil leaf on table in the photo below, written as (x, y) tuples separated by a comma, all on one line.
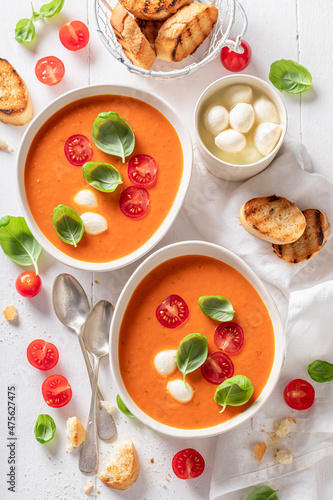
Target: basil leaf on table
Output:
[(290, 76), (263, 493), (216, 307), (18, 243), (234, 391), (123, 408), (192, 353), (113, 135), (321, 371), (25, 31), (102, 176), (44, 428), (68, 224), (52, 8)]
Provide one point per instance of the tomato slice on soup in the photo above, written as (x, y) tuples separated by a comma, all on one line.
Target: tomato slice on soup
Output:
[(172, 312), (229, 337), (142, 170), (188, 464), (78, 150), (56, 391), (134, 202), (217, 368)]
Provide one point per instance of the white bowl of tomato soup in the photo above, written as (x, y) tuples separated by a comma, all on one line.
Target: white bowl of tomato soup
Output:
[(47, 178), (190, 270)]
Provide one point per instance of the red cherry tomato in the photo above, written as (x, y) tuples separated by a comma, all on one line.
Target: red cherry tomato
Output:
[(28, 284), (134, 202), (188, 464), (142, 170), (50, 70), (172, 312), (236, 62), (56, 391), (78, 150), (229, 337), (299, 394), (217, 367), (42, 355), (74, 35)]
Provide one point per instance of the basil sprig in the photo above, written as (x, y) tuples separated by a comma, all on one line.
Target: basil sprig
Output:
[(44, 428), (68, 224), (321, 371), (113, 135), (102, 176), (25, 29), (123, 408), (192, 353), (217, 307), (234, 391), (263, 493), (290, 76), (18, 243)]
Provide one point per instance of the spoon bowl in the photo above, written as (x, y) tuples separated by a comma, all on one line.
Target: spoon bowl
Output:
[(70, 301)]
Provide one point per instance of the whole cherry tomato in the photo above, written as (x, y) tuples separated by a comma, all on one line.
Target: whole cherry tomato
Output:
[(236, 62), (28, 284)]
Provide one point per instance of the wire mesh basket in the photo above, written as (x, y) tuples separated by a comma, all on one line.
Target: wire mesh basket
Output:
[(207, 51)]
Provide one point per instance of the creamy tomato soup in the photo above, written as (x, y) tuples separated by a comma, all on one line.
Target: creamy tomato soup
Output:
[(51, 180), (142, 336)]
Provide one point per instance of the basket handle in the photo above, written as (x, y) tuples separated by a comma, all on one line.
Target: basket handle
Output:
[(235, 46)]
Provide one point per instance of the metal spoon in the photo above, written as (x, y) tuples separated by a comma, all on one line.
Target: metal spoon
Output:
[(71, 306), (96, 339)]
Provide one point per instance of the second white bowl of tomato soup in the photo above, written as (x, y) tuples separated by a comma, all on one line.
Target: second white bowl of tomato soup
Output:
[(197, 343), (102, 174)]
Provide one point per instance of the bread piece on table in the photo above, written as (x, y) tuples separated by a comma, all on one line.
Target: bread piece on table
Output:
[(310, 243), (259, 451), (273, 218), (75, 432), (154, 10), (149, 28), (123, 469), (135, 44), (183, 32), (15, 103)]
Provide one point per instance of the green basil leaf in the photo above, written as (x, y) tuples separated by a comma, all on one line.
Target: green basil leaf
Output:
[(123, 408), (44, 428), (192, 353), (52, 8), (321, 371), (113, 135), (102, 176), (68, 224), (290, 76), (18, 243), (216, 307), (234, 391), (263, 493), (25, 31)]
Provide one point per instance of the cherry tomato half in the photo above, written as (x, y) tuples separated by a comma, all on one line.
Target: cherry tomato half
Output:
[(172, 312), (74, 35), (42, 355), (134, 202), (188, 464), (229, 337), (50, 70), (78, 150), (56, 391), (28, 284), (142, 170), (236, 62), (299, 394), (217, 367)]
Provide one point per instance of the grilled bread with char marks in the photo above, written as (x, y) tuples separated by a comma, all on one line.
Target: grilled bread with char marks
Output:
[(154, 10), (15, 103), (310, 243), (149, 29)]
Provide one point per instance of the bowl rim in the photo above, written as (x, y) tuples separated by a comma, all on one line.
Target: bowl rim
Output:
[(196, 247), (54, 106)]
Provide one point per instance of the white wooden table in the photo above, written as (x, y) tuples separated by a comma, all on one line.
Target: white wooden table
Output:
[(290, 29)]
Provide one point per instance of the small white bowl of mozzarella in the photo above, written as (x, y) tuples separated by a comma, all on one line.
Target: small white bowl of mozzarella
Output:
[(240, 124)]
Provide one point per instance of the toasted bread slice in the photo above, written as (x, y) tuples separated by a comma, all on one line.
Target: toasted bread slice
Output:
[(15, 103), (149, 28), (75, 432), (310, 243), (273, 218), (153, 10), (183, 32), (123, 469), (135, 44)]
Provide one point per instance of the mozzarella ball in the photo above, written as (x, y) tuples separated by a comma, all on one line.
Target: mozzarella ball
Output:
[(230, 141), (266, 137), (242, 117), (94, 223), (179, 391), (265, 111), (216, 119), (86, 198), (239, 93), (165, 362)]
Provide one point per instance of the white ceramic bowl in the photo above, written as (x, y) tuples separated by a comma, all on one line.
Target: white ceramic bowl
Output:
[(224, 255), (94, 90), (219, 167)]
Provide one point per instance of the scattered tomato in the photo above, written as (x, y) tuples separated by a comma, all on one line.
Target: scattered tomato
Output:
[(188, 464), (28, 284), (299, 394), (74, 35), (217, 368), (229, 337), (56, 391), (134, 202), (172, 312), (78, 150), (42, 355), (50, 70), (142, 170), (236, 62)]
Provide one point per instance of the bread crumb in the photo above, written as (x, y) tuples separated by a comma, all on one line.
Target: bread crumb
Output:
[(284, 427), (97, 282), (88, 487), (10, 313), (75, 432), (108, 406), (3, 144), (151, 460), (284, 457), (259, 451), (122, 470)]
